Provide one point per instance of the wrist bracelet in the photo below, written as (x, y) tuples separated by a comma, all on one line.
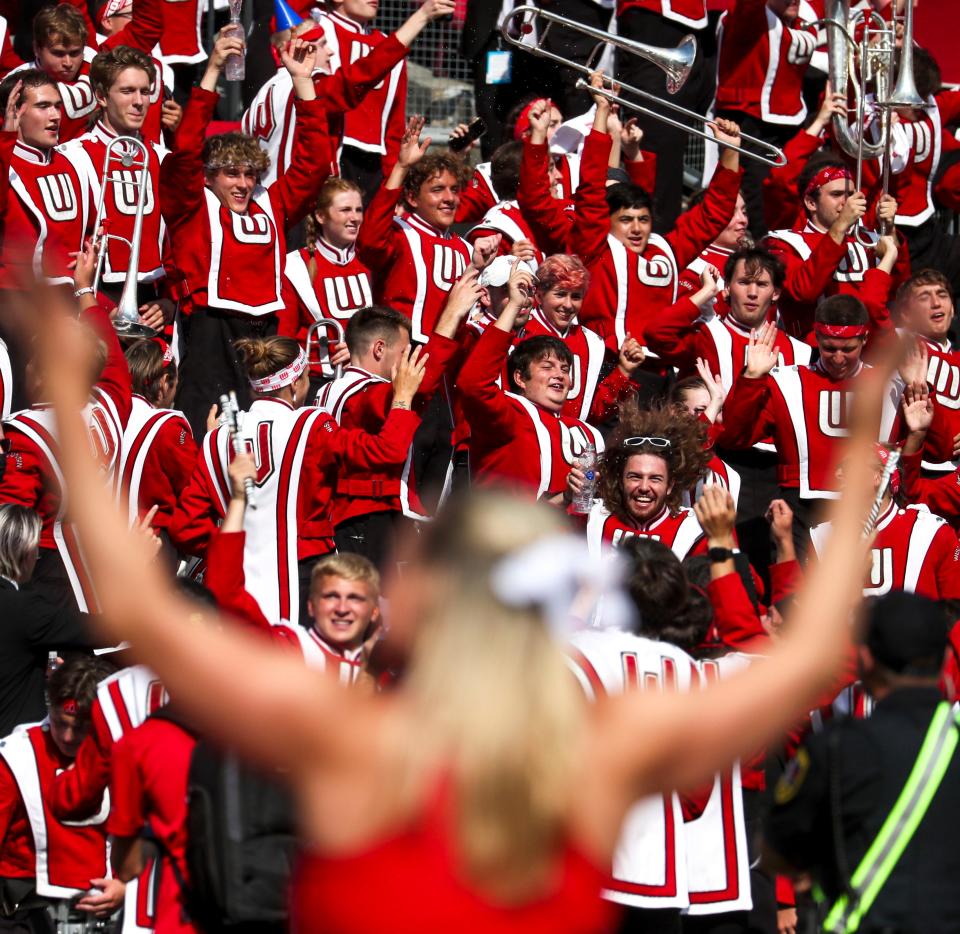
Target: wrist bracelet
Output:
[(86, 290)]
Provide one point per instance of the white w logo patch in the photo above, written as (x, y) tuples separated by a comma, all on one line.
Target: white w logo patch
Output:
[(252, 228), (448, 266), (59, 198), (125, 191)]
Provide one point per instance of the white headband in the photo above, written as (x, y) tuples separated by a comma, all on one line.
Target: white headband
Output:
[(574, 588), (285, 377)]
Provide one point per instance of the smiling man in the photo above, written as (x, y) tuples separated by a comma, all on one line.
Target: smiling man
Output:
[(228, 231), (520, 438), (654, 457)]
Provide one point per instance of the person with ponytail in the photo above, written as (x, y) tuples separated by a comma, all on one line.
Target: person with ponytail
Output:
[(482, 794), (157, 451), (299, 452), (325, 279)]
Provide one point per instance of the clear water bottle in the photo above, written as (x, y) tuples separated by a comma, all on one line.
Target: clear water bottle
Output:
[(587, 462), (235, 67)]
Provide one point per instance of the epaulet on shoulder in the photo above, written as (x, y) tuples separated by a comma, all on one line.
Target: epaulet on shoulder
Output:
[(924, 511)]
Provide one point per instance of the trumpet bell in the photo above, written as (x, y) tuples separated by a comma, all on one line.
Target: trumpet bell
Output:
[(675, 63)]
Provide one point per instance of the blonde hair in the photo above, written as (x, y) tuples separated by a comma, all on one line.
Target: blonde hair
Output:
[(501, 713), (333, 186), (350, 567), (19, 533)]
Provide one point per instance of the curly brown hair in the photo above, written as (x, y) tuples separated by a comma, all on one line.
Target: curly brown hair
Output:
[(686, 458), (431, 165), (227, 149)]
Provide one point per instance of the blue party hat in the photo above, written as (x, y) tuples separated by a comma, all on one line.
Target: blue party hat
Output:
[(286, 18)]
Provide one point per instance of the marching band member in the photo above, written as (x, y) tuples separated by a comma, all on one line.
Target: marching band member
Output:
[(33, 474), (62, 866), (804, 407), (228, 231), (561, 285), (654, 457), (924, 307), (764, 53), (157, 451), (342, 620), (299, 454), (417, 256), (369, 506), (824, 257), (59, 43), (271, 117), (122, 79), (520, 437), (48, 208), (325, 279), (635, 272)]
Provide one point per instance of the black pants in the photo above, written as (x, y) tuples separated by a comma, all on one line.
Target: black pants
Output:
[(806, 514), (50, 577), (650, 921), (374, 536), (209, 365), (362, 167), (754, 172), (667, 142)]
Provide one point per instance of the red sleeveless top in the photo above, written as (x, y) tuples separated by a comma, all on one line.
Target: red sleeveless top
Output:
[(407, 884)]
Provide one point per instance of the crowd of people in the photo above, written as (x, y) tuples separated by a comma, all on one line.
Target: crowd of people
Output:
[(513, 519)]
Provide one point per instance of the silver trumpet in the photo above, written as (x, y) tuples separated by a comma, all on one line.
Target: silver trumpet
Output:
[(675, 63), (315, 342), (124, 151)]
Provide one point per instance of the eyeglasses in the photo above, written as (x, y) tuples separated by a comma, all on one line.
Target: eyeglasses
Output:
[(653, 442)]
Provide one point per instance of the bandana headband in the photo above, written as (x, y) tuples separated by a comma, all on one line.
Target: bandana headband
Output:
[(113, 7), (883, 455), (166, 348), (285, 377), (523, 121), (840, 331), (69, 707), (826, 175)]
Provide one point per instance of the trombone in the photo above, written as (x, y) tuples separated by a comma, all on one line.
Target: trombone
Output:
[(314, 342), (124, 150), (676, 63)]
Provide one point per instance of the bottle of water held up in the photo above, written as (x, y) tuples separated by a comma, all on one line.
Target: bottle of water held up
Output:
[(587, 462), (235, 67)]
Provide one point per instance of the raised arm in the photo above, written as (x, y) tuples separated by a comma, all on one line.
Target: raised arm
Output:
[(279, 713), (143, 31)]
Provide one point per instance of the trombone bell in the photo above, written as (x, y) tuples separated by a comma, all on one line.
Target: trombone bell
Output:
[(676, 63)]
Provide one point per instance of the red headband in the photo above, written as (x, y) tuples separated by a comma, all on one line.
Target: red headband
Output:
[(884, 455), (829, 174), (69, 706), (523, 121), (840, 331), (166, 348)]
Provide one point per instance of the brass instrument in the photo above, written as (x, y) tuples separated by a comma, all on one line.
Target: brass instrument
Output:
[(124, 151), (675, 63)]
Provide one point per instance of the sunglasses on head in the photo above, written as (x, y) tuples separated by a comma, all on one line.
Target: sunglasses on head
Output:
[(653, 442)]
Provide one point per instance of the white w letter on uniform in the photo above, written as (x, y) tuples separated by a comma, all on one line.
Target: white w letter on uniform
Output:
[(833, 413), (125, 194), (881, 572), (251, 228), (59, 199), (448, 266)]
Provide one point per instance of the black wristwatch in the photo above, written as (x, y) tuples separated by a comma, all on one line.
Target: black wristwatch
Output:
[(717, 555)]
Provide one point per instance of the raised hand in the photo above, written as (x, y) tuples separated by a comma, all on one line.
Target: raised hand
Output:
[(485, 249), (631, 356), (853, 210), (539, 119), (762, 354), (631, 136), (242, 468), (718, 395), (717, 515), (524, 249), (914, 366), (917, 408), (11, 114), (521, 286), (412, 150), (171, 113), (833, 103), (434, 9), (408, 375)]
